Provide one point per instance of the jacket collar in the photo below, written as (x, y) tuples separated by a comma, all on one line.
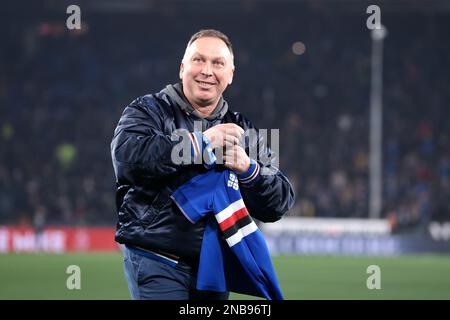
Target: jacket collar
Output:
[(175, 92)]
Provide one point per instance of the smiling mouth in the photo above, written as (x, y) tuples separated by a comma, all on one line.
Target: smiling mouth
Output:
[(204, 84)]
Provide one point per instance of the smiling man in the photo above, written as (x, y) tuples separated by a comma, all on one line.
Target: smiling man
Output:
[(206, 71), (161, 247)]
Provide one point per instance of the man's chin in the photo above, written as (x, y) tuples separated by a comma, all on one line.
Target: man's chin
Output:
[(205, 101)]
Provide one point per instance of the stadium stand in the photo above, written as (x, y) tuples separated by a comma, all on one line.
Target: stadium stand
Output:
[(62, 92)]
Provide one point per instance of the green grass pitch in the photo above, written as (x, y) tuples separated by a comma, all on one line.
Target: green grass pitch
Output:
[(43, 276)]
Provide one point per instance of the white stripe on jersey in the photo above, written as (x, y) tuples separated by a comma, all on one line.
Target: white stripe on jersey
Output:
[(228, 211), (242, 232)]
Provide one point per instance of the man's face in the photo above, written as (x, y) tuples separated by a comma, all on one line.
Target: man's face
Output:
[(206, 71)]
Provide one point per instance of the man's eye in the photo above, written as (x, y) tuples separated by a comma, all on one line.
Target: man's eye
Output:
[(219, 63), (197, 59)]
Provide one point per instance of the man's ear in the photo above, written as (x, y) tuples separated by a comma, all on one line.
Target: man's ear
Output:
[(231, 77), (181, 71)]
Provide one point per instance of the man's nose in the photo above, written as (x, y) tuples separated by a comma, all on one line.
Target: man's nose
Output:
[(207, 69)]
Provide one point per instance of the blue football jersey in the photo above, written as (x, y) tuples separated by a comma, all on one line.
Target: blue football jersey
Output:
[(234, 254)]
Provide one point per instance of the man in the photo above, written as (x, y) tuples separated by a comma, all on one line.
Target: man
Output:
[(162, 247)]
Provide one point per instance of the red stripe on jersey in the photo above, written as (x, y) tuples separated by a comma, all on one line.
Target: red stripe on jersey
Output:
[(225, 224), (195, 144)]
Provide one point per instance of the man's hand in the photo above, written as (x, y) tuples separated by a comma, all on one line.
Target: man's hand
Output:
[(236, 159), (226, 134)]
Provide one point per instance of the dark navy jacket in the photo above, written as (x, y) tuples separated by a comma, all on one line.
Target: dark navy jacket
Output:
[(146, 176)]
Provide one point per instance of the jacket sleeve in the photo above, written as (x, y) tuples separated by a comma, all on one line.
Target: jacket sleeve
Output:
[(266, 191), (140, 149)]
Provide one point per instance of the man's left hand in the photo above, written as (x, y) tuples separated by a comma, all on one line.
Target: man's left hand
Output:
[(235, 158)]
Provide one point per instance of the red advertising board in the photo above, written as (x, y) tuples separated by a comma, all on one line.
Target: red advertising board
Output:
[(57, 239)]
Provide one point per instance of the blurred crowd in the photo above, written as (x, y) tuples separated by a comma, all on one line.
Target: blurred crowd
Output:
[(62, 93)]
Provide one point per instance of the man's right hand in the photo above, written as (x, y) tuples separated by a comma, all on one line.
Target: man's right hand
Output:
[(226, 134)]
